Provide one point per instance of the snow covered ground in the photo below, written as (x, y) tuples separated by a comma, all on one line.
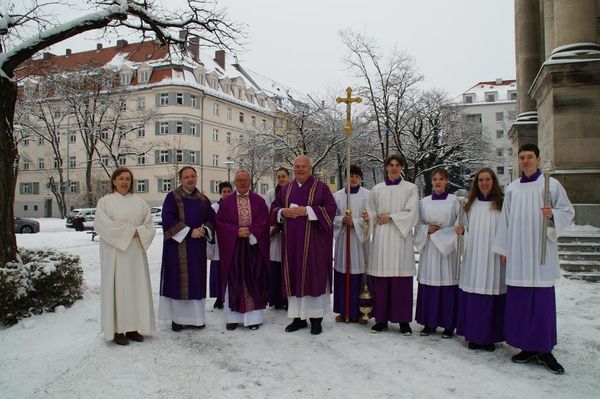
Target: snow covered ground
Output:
[(63, 355)]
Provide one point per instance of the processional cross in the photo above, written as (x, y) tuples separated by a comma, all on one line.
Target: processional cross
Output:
[(348, 101)]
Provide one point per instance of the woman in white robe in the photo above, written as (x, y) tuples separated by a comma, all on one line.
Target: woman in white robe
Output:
[(435, 239), (277, 299), (482, 289), (125, 227)]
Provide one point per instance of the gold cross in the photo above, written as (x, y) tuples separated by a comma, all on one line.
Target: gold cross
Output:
[(348, 100)]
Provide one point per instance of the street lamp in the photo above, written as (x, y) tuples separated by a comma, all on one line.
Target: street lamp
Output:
[(229, 163)]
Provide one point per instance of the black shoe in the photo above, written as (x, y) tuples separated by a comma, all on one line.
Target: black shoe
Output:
[(315, 325), (474, 346), (254, 327), (379, 327), (405, 329), (176, 327), (524, 357), (218, 304), (296, 325), (427, 331), (488, 347), (231, 326), (198, 327), (448, 333), (549, 361)]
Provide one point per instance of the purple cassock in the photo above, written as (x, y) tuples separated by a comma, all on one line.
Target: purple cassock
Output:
[(183, 271), (244, 267), (480, 318), (307, 246)]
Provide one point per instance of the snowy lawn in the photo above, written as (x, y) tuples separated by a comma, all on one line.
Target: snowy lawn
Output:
[(63, 355)]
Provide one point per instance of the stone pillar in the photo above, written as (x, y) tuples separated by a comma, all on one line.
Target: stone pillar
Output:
[(548, 12), (574, 22), (527, 46)]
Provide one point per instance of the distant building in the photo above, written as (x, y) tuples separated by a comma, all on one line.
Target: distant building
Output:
[(490, 106), (204, 103)]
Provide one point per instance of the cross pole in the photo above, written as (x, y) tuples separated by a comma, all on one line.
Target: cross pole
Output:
[(348, 100)]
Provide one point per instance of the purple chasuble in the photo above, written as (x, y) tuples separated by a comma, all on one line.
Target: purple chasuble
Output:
[(307, 246), (183, 270), (244, 267)]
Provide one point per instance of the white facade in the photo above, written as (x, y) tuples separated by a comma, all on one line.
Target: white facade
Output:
[(492, 106), (203, 107)]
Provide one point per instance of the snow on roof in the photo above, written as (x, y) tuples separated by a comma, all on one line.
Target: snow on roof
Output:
[(501, 87)]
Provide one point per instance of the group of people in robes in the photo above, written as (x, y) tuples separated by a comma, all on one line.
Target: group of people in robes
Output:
[(278, 251)]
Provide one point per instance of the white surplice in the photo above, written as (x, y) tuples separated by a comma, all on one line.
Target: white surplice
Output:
[(481, 271), (126, 300), (392, 247), (275, 247), (519, 232), (437, 251), (358, 203)]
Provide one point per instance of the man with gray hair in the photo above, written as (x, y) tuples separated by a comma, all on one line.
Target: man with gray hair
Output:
[(305, 208), (243, 239)]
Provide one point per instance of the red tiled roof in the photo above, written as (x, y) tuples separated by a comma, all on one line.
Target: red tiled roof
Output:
[(505, 82), (137, 52)]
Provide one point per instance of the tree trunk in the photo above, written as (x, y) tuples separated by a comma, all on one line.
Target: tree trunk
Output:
[(8, 171)]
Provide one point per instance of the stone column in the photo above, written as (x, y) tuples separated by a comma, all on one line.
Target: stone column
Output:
[(574, 22), (527, 46), (548, 12)]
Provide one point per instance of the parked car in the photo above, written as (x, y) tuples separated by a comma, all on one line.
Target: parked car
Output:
[(85, 215), (156, 212), (26, 226)]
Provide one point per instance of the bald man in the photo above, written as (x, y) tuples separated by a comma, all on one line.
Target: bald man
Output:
[(305, 208)]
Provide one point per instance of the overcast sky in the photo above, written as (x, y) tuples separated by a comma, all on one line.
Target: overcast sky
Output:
[(455, 43)]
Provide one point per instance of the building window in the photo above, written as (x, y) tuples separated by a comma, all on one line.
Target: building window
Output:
[(499, 116), (141, 159), (124, 79), (241, 117), (163, 128), (141, 186), (144, 76), (491, 97), (510, 152), (179, 128), (104, 160), (194, 101), (264, 124), (122, 132), (104, 134), (72, 161), (499, 134), (72, 138), (123, 106), (122, 159), (40, 140), (193, 129), (25, 143), (163, 156), (179, 156), (41, 163), (229, 114), (510, 172), (500, 152), (165, 185), (73, 187), (215, 160), (473, 118), (241, 138), (215, 135), (500, 170), (512, 115), (141, 103), (25, 207), (25, 164), (141, 132), (25, 188), (55, 163), (264, 188), (216, 109), (261, 102), (214, 186), (253, 120), (468, 98), (193, 157), (512, 95), (164, 99), (228, 137), (179, 98)]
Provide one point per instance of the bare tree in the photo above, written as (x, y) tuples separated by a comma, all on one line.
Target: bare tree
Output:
[(28, 27)]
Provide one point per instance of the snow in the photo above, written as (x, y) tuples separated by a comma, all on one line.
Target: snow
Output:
[(63, 354)]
